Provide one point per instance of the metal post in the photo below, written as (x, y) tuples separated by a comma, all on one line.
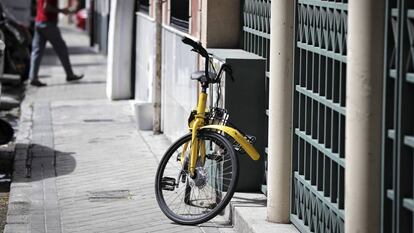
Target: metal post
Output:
[(363, 115), (158, 61), (280, 110)]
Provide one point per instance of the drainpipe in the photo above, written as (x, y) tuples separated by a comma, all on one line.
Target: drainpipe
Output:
[(366, 22), (280, 111), (158, 60)]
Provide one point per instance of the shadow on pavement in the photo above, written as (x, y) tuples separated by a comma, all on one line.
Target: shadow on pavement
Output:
[(65, 29), (249, 200), (80, 82), (89, 64), (56, 62), (73, 50), (42, 162)]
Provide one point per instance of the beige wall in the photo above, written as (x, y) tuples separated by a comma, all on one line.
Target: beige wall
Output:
[(152, 8), (220, 23), (195, 18), (215, 22), (194, 13)]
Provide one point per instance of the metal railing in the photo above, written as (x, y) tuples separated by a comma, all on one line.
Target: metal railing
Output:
[(256, 39), (319, 116), (398, 124), (256, 28)]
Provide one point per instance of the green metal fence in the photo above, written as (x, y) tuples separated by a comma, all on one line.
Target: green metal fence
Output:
[(256, 28), (256, 39), (319, 116), (398, 125)]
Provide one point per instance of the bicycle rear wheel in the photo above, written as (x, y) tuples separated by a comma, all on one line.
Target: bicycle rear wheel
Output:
[(194, 200)]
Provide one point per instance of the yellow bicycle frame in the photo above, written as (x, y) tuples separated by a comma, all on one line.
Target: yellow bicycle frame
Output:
[(199, 124)]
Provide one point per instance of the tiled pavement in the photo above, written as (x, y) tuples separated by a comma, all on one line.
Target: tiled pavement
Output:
[(80, 164)]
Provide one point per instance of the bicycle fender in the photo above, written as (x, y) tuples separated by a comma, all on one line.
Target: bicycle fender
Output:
[(250, 150)]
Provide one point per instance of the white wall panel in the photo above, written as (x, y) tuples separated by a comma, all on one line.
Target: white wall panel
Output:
[(118, 84), (145, 58), (179, 94)]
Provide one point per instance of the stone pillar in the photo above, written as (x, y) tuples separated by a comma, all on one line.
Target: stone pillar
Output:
[(158, 69), (280, 111), (363, 115)]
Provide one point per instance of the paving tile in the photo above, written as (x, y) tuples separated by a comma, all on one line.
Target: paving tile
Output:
[(78, 143)]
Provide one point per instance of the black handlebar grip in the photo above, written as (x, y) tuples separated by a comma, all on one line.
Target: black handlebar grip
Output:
[(190, 42), (196, 46)]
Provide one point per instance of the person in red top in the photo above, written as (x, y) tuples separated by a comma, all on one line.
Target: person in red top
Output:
[(46, 30)]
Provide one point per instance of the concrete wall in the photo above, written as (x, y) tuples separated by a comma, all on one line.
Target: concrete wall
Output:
[(217, 24), (179, 92), (118, 85), (145, 57)]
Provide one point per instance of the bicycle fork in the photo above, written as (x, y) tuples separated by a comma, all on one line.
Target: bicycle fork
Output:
[(197, 147), (195, 142)]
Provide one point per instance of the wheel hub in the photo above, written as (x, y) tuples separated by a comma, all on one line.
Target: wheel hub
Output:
[(201, 176)]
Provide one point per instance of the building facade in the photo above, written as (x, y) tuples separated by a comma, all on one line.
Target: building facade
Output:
[(339, 86)]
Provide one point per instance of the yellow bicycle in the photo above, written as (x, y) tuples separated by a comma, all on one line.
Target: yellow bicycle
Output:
[(198, 174)]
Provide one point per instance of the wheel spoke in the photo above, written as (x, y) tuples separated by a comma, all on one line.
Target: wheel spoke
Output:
[(202, 197)]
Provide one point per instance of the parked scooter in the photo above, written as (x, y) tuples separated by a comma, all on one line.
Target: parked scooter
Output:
[(18, 40), (6, 130)]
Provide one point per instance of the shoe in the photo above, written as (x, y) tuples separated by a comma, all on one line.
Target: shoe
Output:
[(37, 83), (74, 77)]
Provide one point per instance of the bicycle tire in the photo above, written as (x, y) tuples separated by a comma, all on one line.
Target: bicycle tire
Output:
[(217, 190)]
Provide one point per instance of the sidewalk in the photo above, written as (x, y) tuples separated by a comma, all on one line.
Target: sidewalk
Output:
[(80, 164)]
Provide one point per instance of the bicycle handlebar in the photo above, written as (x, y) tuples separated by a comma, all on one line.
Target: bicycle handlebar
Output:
[(227, 69), (197, 47)]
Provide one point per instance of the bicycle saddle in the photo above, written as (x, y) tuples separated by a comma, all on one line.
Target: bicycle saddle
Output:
[(201, 76)]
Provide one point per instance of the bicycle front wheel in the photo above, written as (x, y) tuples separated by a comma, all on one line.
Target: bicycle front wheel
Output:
[(194, 200)]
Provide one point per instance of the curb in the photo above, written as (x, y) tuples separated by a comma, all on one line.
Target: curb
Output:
[(248, 214), (18, 213)]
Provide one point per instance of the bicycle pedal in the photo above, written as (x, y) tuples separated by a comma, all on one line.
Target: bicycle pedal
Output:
[(168, 183), (183, 177)]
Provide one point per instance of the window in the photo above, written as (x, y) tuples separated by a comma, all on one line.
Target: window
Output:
[(180, 14), (143, 6)]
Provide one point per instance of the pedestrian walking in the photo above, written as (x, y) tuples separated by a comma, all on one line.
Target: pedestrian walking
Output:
[(46, 29)]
